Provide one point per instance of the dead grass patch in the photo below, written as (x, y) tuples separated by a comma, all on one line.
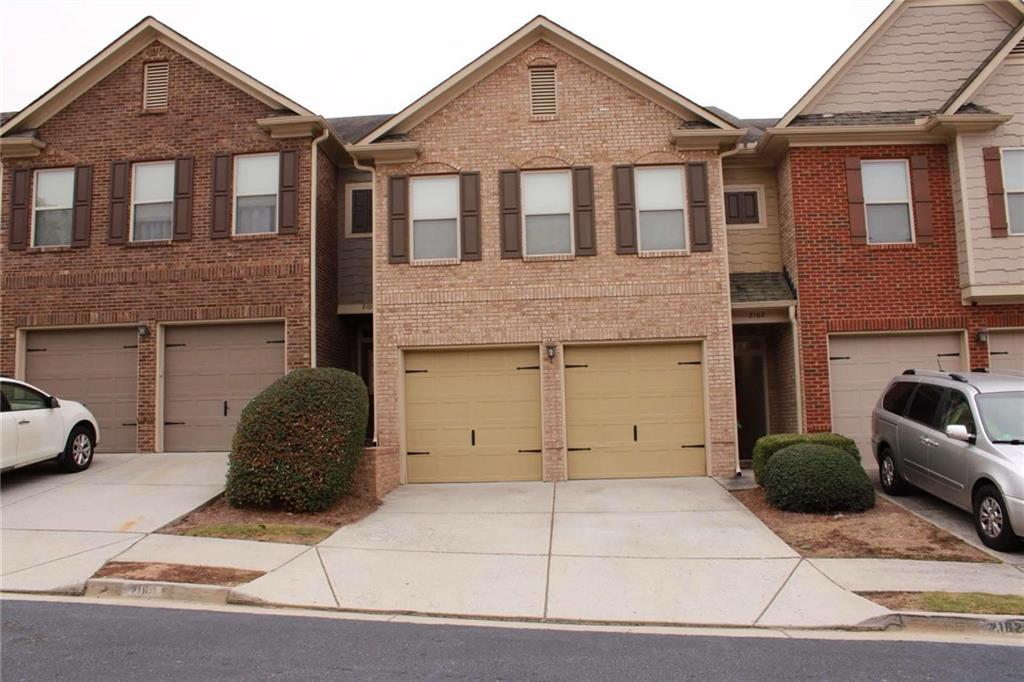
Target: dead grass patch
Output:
[(177, 573), (950, 602), (886, 532)]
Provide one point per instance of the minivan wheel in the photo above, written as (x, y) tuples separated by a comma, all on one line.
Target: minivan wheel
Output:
[(889, 473), (77, 455), (991, 520)]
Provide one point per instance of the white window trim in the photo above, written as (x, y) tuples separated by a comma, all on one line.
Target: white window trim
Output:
[(762, 219), (35, 209), (522, 217), (131, 198), (349, 188), (686, 215), (458, 225), (909, 202), (1007, 191), (235, 194)]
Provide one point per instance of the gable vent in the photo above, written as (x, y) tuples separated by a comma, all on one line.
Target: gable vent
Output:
[(1018, 49), (154, 85), (542, 91)]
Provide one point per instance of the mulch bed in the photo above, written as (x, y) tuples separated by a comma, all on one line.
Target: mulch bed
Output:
[(177, 573), (886, 532)]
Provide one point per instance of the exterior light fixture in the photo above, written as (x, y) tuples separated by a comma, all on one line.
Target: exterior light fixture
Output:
[(983, 335), (551, 352), (143, 330)]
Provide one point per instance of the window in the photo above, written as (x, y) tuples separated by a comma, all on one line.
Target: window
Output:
[(543, 99), (256, 185), (155, 81), (925, 405), (152, 201), (660, 202), (744, 206), (435, 218), (896, 397), (1013, 183), (547, 212), (887, 201), (957, 411), (359, 210), (51, 218), (23, 398)]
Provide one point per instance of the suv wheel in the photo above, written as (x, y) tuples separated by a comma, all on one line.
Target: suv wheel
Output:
[(991, 520), (889, 473)]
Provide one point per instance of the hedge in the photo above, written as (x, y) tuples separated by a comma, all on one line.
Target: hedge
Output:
[(767, 446), (809, 477), (299, 441)]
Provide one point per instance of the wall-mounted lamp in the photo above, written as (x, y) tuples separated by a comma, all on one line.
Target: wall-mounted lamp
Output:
[(550, 351), (983, 335), (143, 331)]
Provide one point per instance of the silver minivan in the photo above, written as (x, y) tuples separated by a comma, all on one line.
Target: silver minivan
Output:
[(960, 437)]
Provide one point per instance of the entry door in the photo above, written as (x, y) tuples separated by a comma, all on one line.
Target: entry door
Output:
[(634, 411), (751, 394), (473, 415)]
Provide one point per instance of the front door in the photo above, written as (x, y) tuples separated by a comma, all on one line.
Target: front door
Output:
[(751, 394)]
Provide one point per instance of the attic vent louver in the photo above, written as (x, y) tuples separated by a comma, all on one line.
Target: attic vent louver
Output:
[(155, 83), (542, 91), (1018, 49)]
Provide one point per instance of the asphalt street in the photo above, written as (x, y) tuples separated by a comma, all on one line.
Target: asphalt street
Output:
[(78, 641)]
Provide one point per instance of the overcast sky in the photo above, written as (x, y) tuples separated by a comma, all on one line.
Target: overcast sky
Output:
[(754, 58)]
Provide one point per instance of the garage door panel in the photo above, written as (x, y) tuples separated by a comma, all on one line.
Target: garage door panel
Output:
[(1006, 349)]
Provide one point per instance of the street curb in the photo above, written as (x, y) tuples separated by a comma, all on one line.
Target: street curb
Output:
[(955, 622), (151, 589)]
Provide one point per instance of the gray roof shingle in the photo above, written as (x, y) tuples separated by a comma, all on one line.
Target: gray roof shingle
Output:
[(754, 287), (354, 128)]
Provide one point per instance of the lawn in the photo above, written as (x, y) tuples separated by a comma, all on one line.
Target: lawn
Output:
[(950, 602), (886, 532)]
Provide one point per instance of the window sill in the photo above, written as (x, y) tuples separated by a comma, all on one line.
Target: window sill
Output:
[(254, 235), (746, 226), (436, 261), (56, 248), (550, 257), (148, 243), (153, 112), (670, 253), (540, 118), (893, 245), (358, 235)]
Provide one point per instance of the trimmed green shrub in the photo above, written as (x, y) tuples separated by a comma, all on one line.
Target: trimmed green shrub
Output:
[(299, 441), (809, 477), (766, 446)]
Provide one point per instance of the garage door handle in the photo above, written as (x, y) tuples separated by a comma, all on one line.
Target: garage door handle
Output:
[(225, 408), (24, 421), (698, 445), (472, 437), (634, 433), (174, 423), (578, 449)]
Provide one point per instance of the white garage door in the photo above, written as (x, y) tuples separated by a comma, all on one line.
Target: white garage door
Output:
[(1006, 349), (861, 366)]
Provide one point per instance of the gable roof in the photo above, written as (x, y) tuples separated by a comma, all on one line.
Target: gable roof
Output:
[(962, 95), (130, 43), (540, 28)]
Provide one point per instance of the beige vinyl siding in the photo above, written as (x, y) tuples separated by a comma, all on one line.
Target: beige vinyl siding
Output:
[(996, 261), (755, 248), (917, 62)]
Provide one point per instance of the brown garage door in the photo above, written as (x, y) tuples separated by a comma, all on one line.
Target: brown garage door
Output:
[(861, 366), (1006, 349), (97, 367), (210, 373)]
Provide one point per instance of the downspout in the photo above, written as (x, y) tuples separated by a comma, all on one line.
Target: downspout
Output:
[(732, 343), (314, 179), (372, 170)]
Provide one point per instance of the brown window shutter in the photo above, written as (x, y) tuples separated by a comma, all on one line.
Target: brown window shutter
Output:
[(922, 198), (855, 201), (700, 215), (117, 232), (220, 225), (469, 200), (511, 225), (741, 208), (19, 210), (398, 219), (183, 198), (625, 209), (288, 192), (996, 195), (81, 213), (583, 210)]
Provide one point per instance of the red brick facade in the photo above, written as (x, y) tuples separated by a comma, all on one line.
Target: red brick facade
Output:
[(845, 287)]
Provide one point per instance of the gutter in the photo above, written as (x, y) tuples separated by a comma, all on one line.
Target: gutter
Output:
[(314, 178)]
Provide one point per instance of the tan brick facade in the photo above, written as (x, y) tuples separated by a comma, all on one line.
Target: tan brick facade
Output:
[(603, 298)]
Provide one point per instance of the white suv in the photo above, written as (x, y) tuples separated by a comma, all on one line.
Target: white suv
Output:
[(35, 426)]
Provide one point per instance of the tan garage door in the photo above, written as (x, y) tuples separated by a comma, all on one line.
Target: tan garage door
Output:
[(473, 415), (97, 367), (210, 373), (1006, 349), (634, 411), (861, 366)]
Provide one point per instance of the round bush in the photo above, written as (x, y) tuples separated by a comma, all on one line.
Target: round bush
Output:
[(767, 446), (299, 441), (808, 477)]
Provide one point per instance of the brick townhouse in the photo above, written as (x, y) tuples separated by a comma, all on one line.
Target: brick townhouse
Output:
[(549, 266)]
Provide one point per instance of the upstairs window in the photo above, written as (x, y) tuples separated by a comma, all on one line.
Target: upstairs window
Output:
[(660, 208), (152, 201), (543, 95), (256, 188), (1013, 183), (435, 218), (887, 201), (359, 210), (51, 221), (547, 213), (743, 207), (155, 86)]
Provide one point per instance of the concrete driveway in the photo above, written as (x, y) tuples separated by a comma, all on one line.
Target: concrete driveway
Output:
[(58, 528), (657, 550)]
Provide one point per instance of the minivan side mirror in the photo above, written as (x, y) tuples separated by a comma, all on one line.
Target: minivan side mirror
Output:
[(52, 403), (959, 432)]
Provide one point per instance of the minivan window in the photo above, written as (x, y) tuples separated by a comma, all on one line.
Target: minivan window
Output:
[(924, 406), (1002, 414), (896, 397), (957, 411)]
